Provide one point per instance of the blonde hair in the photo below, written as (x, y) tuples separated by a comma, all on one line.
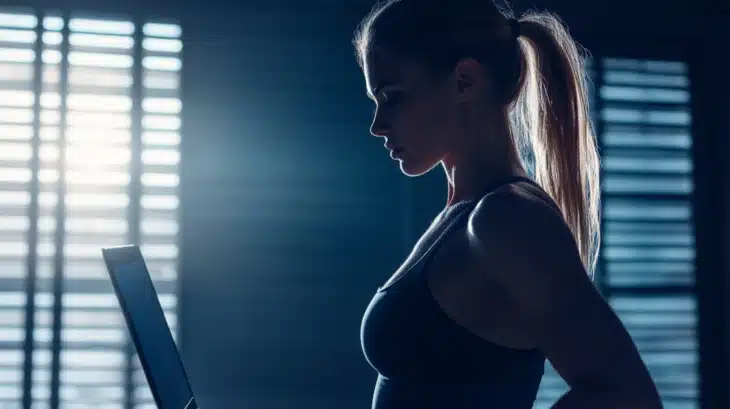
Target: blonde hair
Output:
[(541, 76), (552, 119)]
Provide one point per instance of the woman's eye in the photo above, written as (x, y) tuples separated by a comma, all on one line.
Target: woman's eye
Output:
[(391, 97)]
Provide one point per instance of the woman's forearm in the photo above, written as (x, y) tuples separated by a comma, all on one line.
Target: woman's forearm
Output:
[(614, 399)]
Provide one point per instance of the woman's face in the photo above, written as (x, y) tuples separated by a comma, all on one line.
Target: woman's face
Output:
[(415, 112)]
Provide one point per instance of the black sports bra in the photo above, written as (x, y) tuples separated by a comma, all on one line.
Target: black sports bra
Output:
[(424, 359)]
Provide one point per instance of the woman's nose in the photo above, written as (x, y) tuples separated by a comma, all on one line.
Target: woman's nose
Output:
[(378, 127)]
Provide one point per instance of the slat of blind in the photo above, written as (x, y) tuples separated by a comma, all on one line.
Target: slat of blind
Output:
[(17, 38)]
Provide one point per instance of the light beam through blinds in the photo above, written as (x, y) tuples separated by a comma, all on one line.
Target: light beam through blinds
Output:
[(108, 121), (647, 257)]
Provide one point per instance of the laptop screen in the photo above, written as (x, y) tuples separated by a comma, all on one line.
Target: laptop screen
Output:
[(153, 339)]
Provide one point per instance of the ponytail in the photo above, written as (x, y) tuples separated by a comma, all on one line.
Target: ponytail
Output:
[(552, 118)]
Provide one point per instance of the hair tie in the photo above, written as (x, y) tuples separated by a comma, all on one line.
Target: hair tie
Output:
[(515, 26)]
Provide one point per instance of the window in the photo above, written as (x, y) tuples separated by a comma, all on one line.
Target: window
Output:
[(89, 138), (646, 265)]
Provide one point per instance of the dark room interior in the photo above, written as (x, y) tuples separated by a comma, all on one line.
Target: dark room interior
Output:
[(287, 216)]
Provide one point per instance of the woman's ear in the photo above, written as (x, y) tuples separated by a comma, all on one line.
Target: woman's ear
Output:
[(472, 80)]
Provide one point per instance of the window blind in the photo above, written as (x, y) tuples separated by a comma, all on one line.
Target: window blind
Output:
[(646, 265), (17, 39), (648, 232), (159, 199), (107, 121)]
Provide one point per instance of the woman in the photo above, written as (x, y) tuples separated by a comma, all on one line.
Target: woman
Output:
[(501, 280)]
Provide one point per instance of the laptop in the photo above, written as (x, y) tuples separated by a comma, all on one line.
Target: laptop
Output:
[(146, 322)]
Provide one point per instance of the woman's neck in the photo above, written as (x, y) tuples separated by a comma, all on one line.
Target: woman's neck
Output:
[(471, 173)]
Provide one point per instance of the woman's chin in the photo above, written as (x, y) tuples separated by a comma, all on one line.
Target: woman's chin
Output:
[(413, 169)]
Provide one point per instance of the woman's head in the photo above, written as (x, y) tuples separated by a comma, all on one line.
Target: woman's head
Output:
[(431, 68), (440, 70)]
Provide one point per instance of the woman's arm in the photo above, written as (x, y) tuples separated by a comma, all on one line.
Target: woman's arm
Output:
[(607, 398), (533, 254)]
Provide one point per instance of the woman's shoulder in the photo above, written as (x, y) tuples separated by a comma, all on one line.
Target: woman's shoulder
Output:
[(515, 221), (515, 203)]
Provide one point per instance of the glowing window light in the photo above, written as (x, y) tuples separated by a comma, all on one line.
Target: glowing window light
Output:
[(80, 76), (52, 38), (162, 105), (11, 335), (160, 157), (16, 132), (98, 136), (49, 133), (95, 225), (160, 227), (48, 153), (47, 199), (16, 116), (16, 175), (16, 98), (15, 151), (95, 158), (51, 57), (12, 299), (161, 250), (108, 178), (101, 26), (10, 198), (162, 45), (161, 138), (161, 81), (110, 200), (97, 142), (51, 74), (161, 122), (96, 359), (13, 249), (160, 202), (18, 20), (100, 120), (99, 102), (13, 72), (50, 117), (161, 30), (91, 377), (99, 60), (53, 23), (162, 63), (14, 223), (101, 41), (16, 55), (17, 36), (101, 178), (51, 100), (160, 179)]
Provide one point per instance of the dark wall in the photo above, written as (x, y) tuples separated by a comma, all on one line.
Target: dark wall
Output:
[(292, 212)]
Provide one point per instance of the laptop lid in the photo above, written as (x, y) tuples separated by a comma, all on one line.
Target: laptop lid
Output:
[(146, 322)]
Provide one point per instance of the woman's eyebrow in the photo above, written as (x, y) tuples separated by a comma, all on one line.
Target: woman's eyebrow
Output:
[(378, 87)]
